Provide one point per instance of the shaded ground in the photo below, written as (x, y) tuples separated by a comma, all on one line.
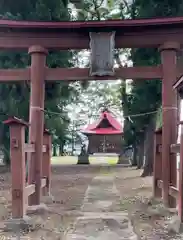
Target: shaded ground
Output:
[(150, 219), (101, 217), (69, 184), (68, 188)]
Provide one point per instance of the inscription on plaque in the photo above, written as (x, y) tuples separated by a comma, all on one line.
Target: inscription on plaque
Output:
[(102, 53)]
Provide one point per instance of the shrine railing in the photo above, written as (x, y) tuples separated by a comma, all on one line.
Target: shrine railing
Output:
[(19, 151), (158, 185)]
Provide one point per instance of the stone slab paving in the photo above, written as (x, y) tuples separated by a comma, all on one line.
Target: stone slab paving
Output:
[(102, 218)]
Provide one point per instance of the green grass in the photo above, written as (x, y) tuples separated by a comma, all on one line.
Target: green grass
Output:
[(102, 160), (93, 160), (64, 160)]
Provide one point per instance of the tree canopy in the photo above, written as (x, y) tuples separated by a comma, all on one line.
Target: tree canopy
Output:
[(14, 97), (145, 96)]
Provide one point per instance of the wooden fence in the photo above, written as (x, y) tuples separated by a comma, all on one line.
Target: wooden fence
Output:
[(19, 151), (175, 192)]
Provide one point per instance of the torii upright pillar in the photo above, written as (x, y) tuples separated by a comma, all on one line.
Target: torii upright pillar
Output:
[(37, 95), (169, 125)]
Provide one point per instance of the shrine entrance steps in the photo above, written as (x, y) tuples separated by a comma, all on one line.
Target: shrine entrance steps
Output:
[(101, 216)]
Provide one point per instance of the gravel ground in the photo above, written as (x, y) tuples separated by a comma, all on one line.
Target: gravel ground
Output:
[(69, 183), (151, 221), (68, 187)]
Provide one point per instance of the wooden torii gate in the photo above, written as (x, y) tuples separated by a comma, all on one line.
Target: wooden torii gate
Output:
[(40, 37)]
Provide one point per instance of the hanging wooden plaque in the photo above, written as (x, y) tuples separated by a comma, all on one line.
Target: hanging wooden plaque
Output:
[(102, 53)]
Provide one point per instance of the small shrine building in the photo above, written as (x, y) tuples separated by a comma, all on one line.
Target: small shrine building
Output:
[(104, 135)]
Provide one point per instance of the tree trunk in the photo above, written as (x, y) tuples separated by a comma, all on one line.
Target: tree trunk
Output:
[(5, 143), (140, 159), (54, 150), (134, 159), (61, 149), (149, 146)]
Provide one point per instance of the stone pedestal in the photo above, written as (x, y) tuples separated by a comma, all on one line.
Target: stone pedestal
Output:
[(83, 159), (37, 209), (121, 160), (18, 224)]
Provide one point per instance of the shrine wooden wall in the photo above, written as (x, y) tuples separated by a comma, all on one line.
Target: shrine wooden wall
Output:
[(105, 144)]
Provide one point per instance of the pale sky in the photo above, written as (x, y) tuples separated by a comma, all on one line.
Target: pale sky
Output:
[(74, 110)]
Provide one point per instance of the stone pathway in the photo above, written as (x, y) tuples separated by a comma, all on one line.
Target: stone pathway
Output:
[(102, 218)]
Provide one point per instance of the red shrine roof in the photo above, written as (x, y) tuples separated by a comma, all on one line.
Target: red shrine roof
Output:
[(113, 128)]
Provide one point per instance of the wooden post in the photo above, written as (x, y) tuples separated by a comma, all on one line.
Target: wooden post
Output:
[(46, 163), (157, 163), (38, 62), (169, 129), (17, 157)]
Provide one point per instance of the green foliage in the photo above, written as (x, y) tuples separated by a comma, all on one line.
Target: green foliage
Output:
[(158, 8), (146, 95), (98, 10), (36, 9), (14, 98), (159, 118)]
